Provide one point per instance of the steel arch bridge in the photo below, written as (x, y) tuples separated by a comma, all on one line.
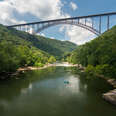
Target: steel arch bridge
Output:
[(93, 23)]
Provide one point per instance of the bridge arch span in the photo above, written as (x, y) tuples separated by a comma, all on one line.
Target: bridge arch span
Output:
[(97, 21), (89, 28)]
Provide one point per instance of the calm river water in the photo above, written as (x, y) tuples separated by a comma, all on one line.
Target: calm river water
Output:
[(44, 93)]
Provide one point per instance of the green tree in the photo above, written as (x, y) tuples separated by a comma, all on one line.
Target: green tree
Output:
[(51, 59)]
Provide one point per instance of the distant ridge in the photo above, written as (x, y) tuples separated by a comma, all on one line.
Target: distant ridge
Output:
[(51, 46)]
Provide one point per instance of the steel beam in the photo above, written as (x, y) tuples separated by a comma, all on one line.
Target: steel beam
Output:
[(85, 21), (100, 24), (80, 17), (92, 22), (108, 22), (73, 21)]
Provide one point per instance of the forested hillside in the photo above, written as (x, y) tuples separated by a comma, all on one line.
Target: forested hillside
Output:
[(20, 49), (53, 47), (98, 55)]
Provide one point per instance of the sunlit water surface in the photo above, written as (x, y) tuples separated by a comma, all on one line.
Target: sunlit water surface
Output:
[(44, 93)]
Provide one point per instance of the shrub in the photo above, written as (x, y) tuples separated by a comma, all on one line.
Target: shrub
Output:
[(38, 64)]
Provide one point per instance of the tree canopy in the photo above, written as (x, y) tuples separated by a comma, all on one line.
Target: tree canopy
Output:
[(98, 54)]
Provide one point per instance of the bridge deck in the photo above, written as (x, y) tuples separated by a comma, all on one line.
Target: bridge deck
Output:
[(79, 17)]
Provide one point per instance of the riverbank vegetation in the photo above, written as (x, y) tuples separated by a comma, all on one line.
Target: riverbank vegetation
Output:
[(20, 49), (54, 47), (12, 57), (98, 55)]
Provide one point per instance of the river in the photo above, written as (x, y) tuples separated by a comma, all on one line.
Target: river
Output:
[(45, 93)]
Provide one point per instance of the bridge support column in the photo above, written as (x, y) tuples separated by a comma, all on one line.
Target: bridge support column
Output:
[(78, 20), (108, 22), (100, 24), (85, 21), (20, 28), (92, 22)]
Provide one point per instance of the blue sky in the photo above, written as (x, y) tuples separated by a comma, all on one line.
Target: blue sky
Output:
[(23, 11)]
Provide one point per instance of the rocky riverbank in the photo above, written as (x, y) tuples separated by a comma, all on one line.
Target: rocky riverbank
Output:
[(111, 95)]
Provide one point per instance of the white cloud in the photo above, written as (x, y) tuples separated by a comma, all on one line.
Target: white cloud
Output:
[(62, 28), (52, 37), (44, 10), (73, 6), (78, 35), (6, 14), (41, 34)]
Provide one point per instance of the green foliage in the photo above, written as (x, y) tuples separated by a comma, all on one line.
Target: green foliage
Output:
[(90, 71), (20, 49), (51, 59), (55, 47), (51, 46), (8, 62), (106, 69), (74, 58), (98, 55), (38, 64), (70, 57), (12, 57)]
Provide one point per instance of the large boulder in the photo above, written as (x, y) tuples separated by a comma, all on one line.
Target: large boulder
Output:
[(110, 96)]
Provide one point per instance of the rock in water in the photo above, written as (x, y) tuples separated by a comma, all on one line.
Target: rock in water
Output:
[(110, 96)]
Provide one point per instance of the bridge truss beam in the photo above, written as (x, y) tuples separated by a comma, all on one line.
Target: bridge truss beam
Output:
[(92, 23)]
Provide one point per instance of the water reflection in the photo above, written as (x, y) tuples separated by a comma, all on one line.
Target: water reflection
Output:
[(44, 93), (25, 90), (73, 85)]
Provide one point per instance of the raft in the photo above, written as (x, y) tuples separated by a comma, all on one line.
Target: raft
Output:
[(66, 82)]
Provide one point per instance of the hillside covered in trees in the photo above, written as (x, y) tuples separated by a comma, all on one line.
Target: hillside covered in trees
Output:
[(51, 46), (20, 49), (98, 55)]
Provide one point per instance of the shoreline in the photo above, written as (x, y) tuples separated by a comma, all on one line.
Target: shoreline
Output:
[(46, 66), (109, 96), (30, 68)]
